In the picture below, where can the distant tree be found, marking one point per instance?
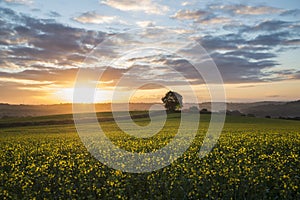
(172, 101)
(194, 109)
(234, 113)
(204, 111)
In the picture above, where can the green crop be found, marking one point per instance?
(253, 159)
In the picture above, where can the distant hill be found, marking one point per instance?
(259, 109)
(7, 110)
(287, 109)
(265, 108)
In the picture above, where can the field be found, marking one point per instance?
(254, 159)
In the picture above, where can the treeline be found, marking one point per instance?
(237, 113)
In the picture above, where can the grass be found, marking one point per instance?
(253, 159)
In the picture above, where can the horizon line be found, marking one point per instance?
(68, 103)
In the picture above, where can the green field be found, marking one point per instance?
(254, 159)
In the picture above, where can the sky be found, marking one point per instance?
(44, 44)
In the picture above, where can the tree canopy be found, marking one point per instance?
(172, 101)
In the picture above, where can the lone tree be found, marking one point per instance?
(172, 101)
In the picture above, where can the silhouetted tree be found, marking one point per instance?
(204, 111)
(172, 101)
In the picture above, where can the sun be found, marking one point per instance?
(84, 95)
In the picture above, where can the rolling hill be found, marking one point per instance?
(260, 109)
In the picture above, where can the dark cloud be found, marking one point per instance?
(26, 38)
(237, 59)
(270, 39)
(251, 55)
(240, 69)
(235, 27)
(234, 66)
(112, 74)
(296, 75)
(223, 42)
(273, 31)
(35, 10)
(280, 75)
(292, 42)
(52, 75)
(294, 12)
(64, 76)
(271, 25)
(253, 48)
(54, 14)
(214, 20)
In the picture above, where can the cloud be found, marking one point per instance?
(222, 14)
(265, 35)
(296, 75)
(49, 53)
(145, 24)
(190, 14)
(273, 39)
(37, 57)
(19, 1)
(235, 69)
(241, 59)
(187, 3)
(294, 12)
(16, 93)
(146, 6)
(234, 66)
(292, 42)
(249, 10)
(251, 55)
(48, 76)
(242, 9)
(222, 42)
(54, 14)
(62, 77)
(203, 17)
(247, 86)
(93, 18)
(34, 85)
(215, 20)
(273, 96)
(271, 26)
(27, 41)
(111, 75)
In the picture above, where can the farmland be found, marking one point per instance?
(253, 159)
